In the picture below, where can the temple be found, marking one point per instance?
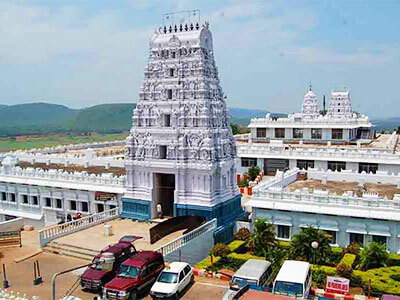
(180, 152)
(338, 124)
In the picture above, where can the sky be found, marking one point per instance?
(81, 53)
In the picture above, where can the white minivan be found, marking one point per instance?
(294, 279)
(253, 272)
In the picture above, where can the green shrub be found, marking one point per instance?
(242, 235)
(206, 263)
(374, 256)
(329, 271)
(393, 260)
(336, 255)
(395, 277)
(242, 258)
(235, 245)
(220, 249)
(284, 244)
(344, 270)
(348, 259)
(353, 248)
(319, 278)
(244, 183)
(381, 280)
(253, 172)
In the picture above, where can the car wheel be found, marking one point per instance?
(133, 295)
(176, 296)
(192, 278)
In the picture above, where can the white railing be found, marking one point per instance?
(184, 239)
(265, 151)
(280, 179)
(325, 200)
(48, 234)
(60, 175)
(383, 177)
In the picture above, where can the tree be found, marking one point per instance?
(253, 172)
(235, 128)
(374, 256)
(301, 246)
(263, 237)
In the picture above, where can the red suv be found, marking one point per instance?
(134, 275)
(106, 263)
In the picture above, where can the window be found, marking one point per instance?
(58, 203)
(379, 239)
(357, 238)
(169, 94)
(3, 196)
(261, 132)
(72, 205)
(85, 206)
(280, 133)
(337, 134)
(316, 133)
(171, 72)
(283, 232)
(367, 168)
(100, 207)
(336, 165)
(297, 133)
(333, 236)
(12, 197)
(163, 152)
(249, 162)
(173, 54)
(47, 202)
(25, 199)
(181, 276)
(167, 120)
(305, 164)
(187, 270)
(35, 200)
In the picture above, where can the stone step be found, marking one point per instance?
(70, 250)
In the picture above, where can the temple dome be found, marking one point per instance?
(309, 108)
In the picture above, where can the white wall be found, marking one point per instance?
(12, 225)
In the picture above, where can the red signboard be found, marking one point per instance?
(337, 285)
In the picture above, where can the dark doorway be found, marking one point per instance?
(164, 189)
(271, 165)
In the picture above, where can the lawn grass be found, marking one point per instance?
(55, 140)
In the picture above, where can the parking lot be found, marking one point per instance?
(20, 275)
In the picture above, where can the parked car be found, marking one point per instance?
(293, 279)
(106, 264)
(254, 272)
(172, 281)
(134, 275)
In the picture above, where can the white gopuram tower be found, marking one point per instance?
(310, 109)
(180, 152)
(340, 104)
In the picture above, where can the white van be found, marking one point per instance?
(294, 279)
(253, 272)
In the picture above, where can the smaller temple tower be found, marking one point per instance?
(309, 109)
(340, 104)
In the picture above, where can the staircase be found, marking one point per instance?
(70, 250)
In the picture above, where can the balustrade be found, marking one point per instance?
(48, 234)
(184, 239)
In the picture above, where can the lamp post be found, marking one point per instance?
(315, 245)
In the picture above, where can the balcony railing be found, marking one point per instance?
(48, 234)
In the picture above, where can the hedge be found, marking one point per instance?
(329, 271)
(235, 245)
(244, 257)
(206, 263)
(284, 244)
(348, 259)
(394, 260)
(381, 282)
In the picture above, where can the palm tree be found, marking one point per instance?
(374, 256)
(301, 246)
(263, 237)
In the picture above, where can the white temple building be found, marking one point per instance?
(180, 151)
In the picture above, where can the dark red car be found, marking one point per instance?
(134, 275)
(106, 264)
